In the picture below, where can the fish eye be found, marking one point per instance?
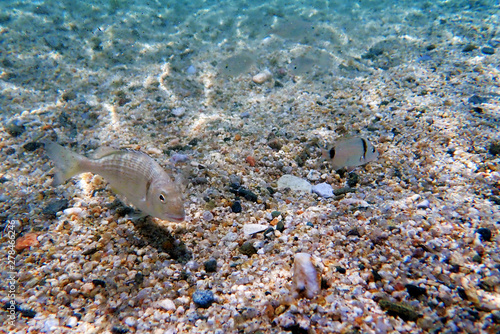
(373, 149)
(162, 198)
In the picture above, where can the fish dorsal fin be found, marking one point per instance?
(103, 151)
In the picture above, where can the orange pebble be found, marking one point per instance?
(26, 241)
(250, 160)
(237, 137)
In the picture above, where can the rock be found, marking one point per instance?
(50, 325)
(494, 148)
(26, 241)
(275, 214)
(191, 70)
(203, 298)
(211, 266)
(262, 77)
(207, 216)
(242, 191)
(484, 233)
(423, 205)
(305, 276)
(31, 146)
(294, 183)
(403, 311)
(476, 99)
(469, 48)
(323, 189)
(236, 207)
(71, 322)
(250, 229)
(54, 207)
(248, 249)
(352, 179)
(487, 50)
(415, 291)
(167, 304)
(15, 128)
(313, 175)
(178, 112)
(280, 226)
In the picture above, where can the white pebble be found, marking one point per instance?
(208, 216)
(71, 322)
(178, 111)
(423, 205)
(130, 321)
(167, 304)
(191, 70)
(305, 276)
(249, 229)
(261, 77)
(72, 211)
(294, 183)
(50, 324)
(323, 189)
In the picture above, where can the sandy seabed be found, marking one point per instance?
(406, 251)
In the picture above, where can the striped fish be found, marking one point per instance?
(350, 153)
(132, 174)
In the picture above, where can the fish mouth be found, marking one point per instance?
(176, 219)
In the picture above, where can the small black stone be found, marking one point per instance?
(211, 266)
(469, 48)
(280, 226)
(138, 278)
(455, 268)
(485, 233)
(461, 293)
(119, 330)
(236, 207)
(352, 180)
(487, 50)
(31, 146)
(354, 232)
(15, 128)
(310, 224)
(9, 151)
(341, 269)
(415, 291)
(55, 206)
(477, 258)
(269, 233)
(275, 214)
(99, 282)
(248, 249)
(376, 275)
(203, 298)
(476, 99)
(494, 149)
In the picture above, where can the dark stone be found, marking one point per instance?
(376, 276)
(461, 293)
(275, 214)
(236, 207)
(68, 96)
(119, 330)
(24, 312)
(476, 99)
(495, 200)
(9, 151)
(341, 269)
(55, 206)
(484, 233)
(487, 50)
(31, 146)
(15, 128)
(455, 268)
(401, 310)
(269, 233)
(310, 224)
(430, 47)
(354, 232)
(3, 179)
(211, 266)
(280, 226)
(194, 142)
(138, 278)
(99, 282)
(90, 251)
(469, 48)
(494, 149)
(247, 194)
(352, 180)
(275, 144)
(203, 298)
(343, 191)
(477, 258)
(415, 291)
(248, 249)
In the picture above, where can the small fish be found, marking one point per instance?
(132, 174)
(350, 153)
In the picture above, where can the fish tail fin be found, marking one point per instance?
(69, 163)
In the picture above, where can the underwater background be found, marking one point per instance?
(230, 97)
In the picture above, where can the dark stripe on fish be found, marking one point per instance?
(332, 152)
(148, 185)
(365, 147)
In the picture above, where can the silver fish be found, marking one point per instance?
(132, 174)
(350, 153)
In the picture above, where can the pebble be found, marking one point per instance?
(50, 324)
(423, 205)
(484, 233)
(469, 48)
(31, 146)
(191, 70)
(167, 304)
(280, 226)
(15, 128)
(236, 207)
(179, 158)
(405, 312)
(55, 206)
(71, 322)
(203, 298)
(415, 291)
(262, 77)
(178, 112)
(250, 229)
(323, 189)
(211, 266)
(207, 216)
(487, 50)
(313, 175)
(294, 183)
(247, 249)
(130, 321)
(26, 241)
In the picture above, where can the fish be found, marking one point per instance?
(132, 174)
(350, 153)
